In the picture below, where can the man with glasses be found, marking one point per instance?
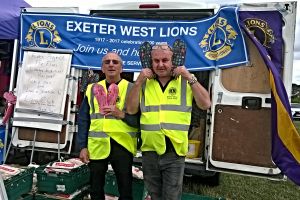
(164, 94)
(106, 134)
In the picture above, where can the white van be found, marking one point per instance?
(235, 134)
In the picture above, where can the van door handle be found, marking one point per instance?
(253, 103)
(267, 100)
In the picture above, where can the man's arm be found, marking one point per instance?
(200, 94)
(132, 120)
(83, 129)
(134, 94)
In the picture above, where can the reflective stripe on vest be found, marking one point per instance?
(104, 135)
(102, 128)
(97, 134)
(168, 115)
(168, 126)
(182, 108)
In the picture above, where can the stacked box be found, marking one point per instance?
(19, 184)
(64, 183)
(138, 190)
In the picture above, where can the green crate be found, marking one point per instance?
(45, 197)
(64, 183)
(19, 184)
(27, 197)
(188, 196)
(139, 192)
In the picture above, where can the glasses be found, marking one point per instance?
(115, 62)
(162, 46)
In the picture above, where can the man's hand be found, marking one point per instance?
(113, 111)
(84, 155)
(146, 73)
(177, 71)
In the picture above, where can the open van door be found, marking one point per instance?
(240, 132)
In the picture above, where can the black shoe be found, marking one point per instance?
(179, 52)
(145, 55)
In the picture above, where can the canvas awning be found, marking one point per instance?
(10, 18)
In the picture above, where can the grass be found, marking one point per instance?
(238, 187)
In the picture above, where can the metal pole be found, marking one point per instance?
(32, 151)
(11, 87)
(3, 194)
(58, 145)
(9, 146)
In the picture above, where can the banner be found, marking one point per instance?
(214, 42)
(266, 27)
(285, 137)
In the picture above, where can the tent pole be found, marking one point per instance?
(11, 87)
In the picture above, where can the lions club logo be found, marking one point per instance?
(172, 93)
(218, 40)
(261, 30)
(43, 34)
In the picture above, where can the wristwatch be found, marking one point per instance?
(193, 80)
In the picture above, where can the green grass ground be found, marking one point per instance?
(238, 187)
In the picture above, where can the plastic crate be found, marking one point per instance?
(64, 183)
(139, 192)
(45, 197)
(27, 197)
(19, 184)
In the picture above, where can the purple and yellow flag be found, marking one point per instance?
(267, 28)
(285, 137)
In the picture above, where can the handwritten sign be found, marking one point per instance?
(41, 86)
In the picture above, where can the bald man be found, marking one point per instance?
(106, 134)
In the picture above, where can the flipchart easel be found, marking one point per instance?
(45, 94)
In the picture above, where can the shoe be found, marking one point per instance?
(145, 55)
(179, 53)
(112, 94)
(100, 94)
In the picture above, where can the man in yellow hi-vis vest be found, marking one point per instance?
(106, 134)
(164, 96)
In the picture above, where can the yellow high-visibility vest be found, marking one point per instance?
(165, 113)
(103, 128)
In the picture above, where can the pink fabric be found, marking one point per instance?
(112, 94)
(11, 101)
(100, 95)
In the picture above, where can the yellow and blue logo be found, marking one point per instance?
(261, 30)
(218, 40)
(1, 144)
(43, 33)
